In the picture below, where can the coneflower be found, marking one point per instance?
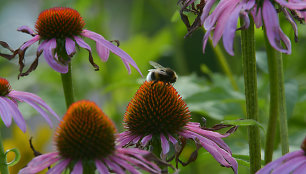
(158, 112)
(58, 30)
(9, 105)
(85, 142)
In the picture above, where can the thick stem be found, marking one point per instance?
(67, 86)
(250, 82)
(3, 163)
(273, 57)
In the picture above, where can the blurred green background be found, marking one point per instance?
(150, 30)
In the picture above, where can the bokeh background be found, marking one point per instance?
(149, 30)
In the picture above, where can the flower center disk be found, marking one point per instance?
(5, 87)
(59, 22)
(85, 133)
(155, 109)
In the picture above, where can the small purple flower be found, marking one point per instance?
(293, 162)
(86, 136)
(9, 105)
(158, 113)
(59, 31)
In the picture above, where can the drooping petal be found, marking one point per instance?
(205, 39)
(274, 33)
(230, 30)
(103, 52)
(40, 163)
(256, 13)
(292, 5)
(107, 44)
(60, 167)
(101, 167)
(124, 164)
(30, 42)
(145, 140)
(113, 166)
(78, 168)
(206, 10)
(136, 139)
(48, 50)
(272, 165)
(37, 108)
(16, 114)
(70, 46)
(172, 139)
(34, 98)
(164, 144)
(300, 169)
(5, 112)
(26, 29)
(289, 166)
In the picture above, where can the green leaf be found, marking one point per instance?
(245, 122)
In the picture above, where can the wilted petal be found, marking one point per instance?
(101, 167)
(107, 44)
(16, 114)
(26, 29)
(30, 42)
(48, 47)
(5, 112)
(274, 33)
(78, 168)
(40, 163)
(70, 46)
(59, 167)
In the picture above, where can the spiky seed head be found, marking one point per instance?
(156, 108)
(85, 132)
(59, 23)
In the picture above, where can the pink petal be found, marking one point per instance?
(78, 168)
(30, 42)
(124, 164)
(274, 33)
(26, 29)
(60, 167)
(257, 16)
(5, 112)
(146, 139)
(230, 30)
(300, 169)
(292, 5)
(103, 52)
(107, 44)
(36, 99)
(289, 166)
(172, 139)
(101, 167)
(205, 38)
(114, 166)
(164, 144)
(206, 10)
(48, 47)
(40, 162)
(16, 114)
(70, 46)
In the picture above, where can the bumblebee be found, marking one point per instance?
(160, 73)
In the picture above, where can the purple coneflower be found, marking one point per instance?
(158, 113)
(58, 30)
(9, 105)
(223, 20)
(86, 139)
(293, 162)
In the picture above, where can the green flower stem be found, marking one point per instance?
(250, 82)
(3, 163)
(224, 65)
(67, 86)
(272, 56)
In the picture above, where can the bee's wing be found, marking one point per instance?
(155, 65)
